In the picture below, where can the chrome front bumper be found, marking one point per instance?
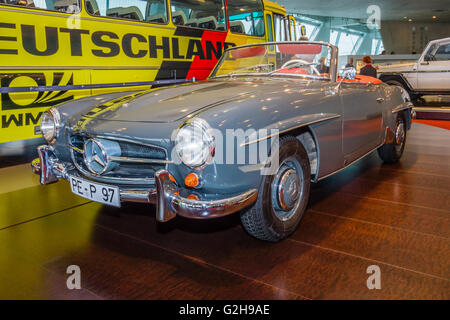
(166, 195)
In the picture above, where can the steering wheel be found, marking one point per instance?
(300, 61)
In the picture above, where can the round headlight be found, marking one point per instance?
(194, 143)
(50, 123)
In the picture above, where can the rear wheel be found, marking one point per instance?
(392, 152)
(282, 197)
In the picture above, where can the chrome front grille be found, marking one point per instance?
(137, 163)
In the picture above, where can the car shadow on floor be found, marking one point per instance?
(319, 191)
(207, 246)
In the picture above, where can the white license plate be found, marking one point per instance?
(97, 192)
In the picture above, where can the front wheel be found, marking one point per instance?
(283, 196)
(392, 152)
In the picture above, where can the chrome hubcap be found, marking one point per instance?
(287, 189)
(400, 134)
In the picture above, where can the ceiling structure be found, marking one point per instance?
(416, 10)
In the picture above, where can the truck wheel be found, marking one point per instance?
(283, 196)
(400, 84)
(392, 152)
(395, 83)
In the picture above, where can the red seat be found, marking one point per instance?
(293, 71)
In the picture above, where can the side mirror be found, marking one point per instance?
(349, 73)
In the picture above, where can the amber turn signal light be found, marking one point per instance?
(172, 178)
(191, 180)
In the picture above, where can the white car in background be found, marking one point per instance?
(430, 75)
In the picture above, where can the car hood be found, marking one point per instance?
(172, 103)
(398, 67)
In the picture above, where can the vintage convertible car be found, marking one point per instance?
(271, 119)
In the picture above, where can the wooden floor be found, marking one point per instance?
(392, 216)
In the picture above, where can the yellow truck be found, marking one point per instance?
(53, 51)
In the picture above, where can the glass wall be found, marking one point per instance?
(311, 26)
(351, 36)
(347, 42)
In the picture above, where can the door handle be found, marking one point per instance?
(380, 100)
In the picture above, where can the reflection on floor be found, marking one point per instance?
(393, 216)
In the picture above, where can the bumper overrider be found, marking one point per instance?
(166, 195)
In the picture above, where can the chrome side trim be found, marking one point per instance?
(348, 165)
(305, 124)
(403, 106)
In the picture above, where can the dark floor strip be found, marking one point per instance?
(371, 260)
(200, 261)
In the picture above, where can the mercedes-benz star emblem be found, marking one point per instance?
(95, 156)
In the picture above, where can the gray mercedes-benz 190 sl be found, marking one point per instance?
(271, 119)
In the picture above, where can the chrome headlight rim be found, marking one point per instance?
(208, 141)
(56, 117)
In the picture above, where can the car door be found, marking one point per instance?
(433, 70)
(362, 125)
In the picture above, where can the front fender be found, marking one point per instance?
(74, 109)
(291, 124)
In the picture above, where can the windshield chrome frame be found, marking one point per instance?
(333, 59)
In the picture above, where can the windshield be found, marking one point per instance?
(298, 59)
